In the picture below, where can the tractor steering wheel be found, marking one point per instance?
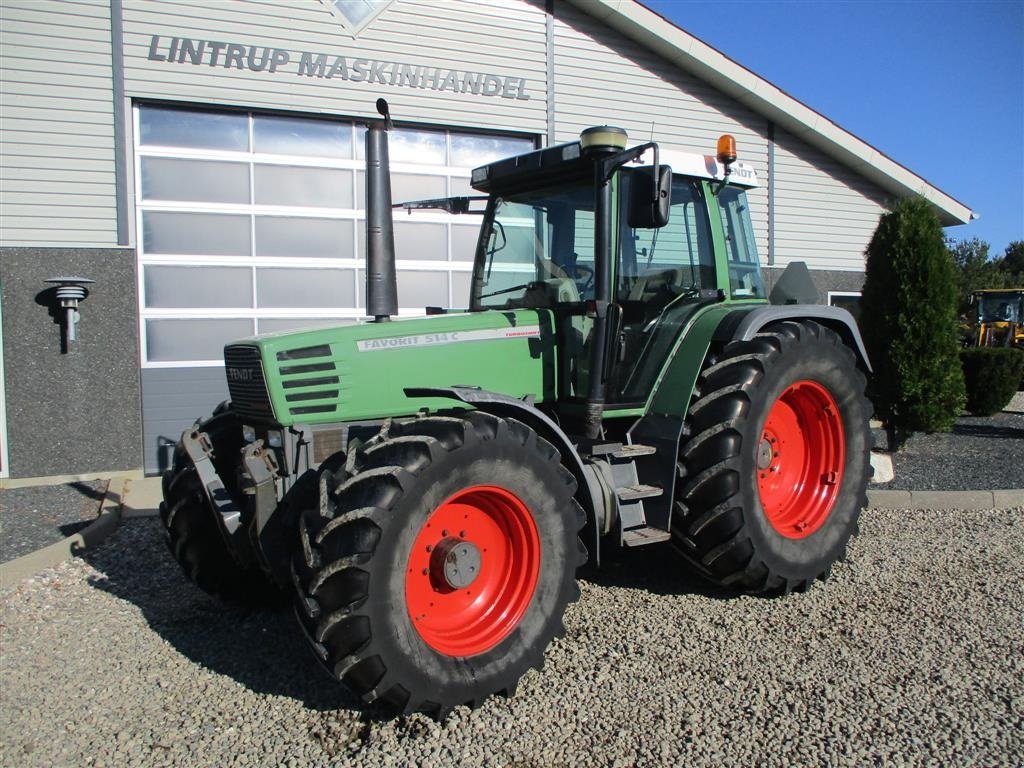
(584, 277)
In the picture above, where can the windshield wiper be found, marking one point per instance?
(530, 284)
(449, 204)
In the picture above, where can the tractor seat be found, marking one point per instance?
(547, 293)
(652, 283)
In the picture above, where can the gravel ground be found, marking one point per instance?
(31, 518)
(912, 654)
(980, 454)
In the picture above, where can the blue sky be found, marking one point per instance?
(937, 86)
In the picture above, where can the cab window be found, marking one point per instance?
(741, 248)
(659, 265)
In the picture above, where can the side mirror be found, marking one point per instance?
(650, 197)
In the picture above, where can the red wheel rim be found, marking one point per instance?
(472, 571)
(800, 459)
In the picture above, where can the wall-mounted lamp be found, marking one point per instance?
(70, 292)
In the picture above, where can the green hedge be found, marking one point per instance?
(992, 375)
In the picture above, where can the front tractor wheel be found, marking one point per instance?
(777, 461)
(438, 572)
(190, 523)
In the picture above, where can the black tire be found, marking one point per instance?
(350, 567)
(192, 532)
(719, 522)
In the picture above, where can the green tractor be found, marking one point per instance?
(426, 488)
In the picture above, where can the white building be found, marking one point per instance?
(202, 163)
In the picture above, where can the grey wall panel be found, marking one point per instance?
(825, 213)
(636, 89)
(55, 59)
(173, 398)
(453, 35)
(79, 411)
(824, 280)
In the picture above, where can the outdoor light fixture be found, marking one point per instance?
(70, 292)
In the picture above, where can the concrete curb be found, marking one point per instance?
(98, 531)
(946, 500)
(113, 477)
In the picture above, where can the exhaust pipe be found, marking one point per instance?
(381, 281)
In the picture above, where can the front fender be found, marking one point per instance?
(545, 426)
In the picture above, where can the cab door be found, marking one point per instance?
(664, 276)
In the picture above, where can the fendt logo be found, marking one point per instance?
(239, 374)
(356, 15)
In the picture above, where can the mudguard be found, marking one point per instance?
(504, 405)
(743, 325)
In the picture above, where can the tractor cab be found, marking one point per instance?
(999, 318)
(673, 244)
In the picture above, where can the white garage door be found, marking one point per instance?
(251, 223)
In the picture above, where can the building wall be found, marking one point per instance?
(73, 411)
(59, 167)
(57, 179)
(172, 399)
(824, 280)
(825, 214)
(420, 33)
(602, 77)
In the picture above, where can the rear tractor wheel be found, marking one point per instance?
(439, 571)
(777, 461)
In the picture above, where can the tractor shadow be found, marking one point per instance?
(658, 569)
(264, 650)
(998, 431)
(93, 496)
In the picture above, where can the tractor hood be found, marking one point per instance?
(360, 371)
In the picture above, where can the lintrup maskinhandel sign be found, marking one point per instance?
(184, 50)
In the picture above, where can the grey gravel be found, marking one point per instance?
(981, 453)
(33, 517)
(911, 654)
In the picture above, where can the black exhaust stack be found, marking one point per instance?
(381, 282)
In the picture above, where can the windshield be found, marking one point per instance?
(1001, 307)
(538, 249)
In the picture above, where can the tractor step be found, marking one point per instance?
(601, 449)
(632, 451)
(618, 450)
(636, 492)
(638, 537)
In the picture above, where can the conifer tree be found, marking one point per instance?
(908, 319)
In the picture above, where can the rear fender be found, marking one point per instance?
(743, 325)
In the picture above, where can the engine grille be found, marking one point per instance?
(248, 388)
